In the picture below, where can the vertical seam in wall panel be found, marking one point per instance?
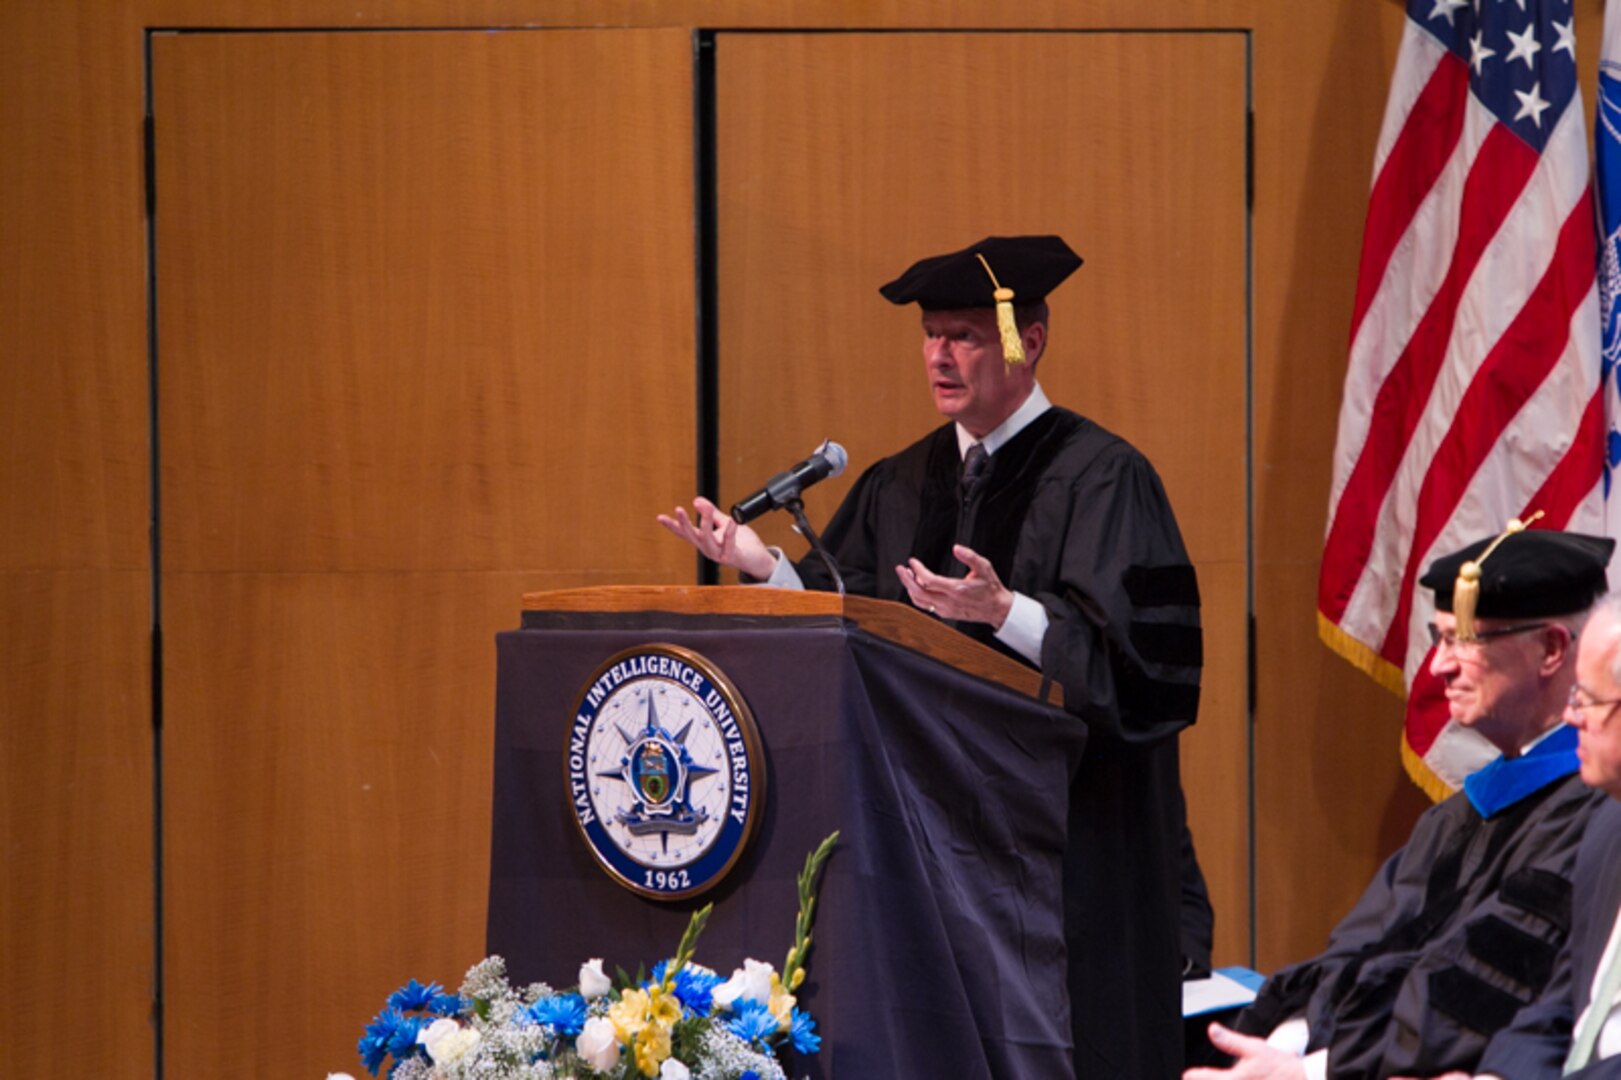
(154, 561)
(1251, 659)
(707, 277)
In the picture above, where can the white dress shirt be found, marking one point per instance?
(1609, 1036)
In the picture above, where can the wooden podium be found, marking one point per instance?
(939, 944)
(906, 626)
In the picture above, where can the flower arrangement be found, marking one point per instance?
(680, 1022)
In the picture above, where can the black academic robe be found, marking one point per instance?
(1075, 518)
(1198, 919)
(1459, 930)
(1535, 1046)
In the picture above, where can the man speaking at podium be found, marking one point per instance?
(1041, 534)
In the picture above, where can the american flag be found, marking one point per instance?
(1472, 394)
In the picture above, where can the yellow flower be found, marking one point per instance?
(663, 1008)
(652, 1047)
(781, 1004)
(629, 1014)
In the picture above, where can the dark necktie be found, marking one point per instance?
(975, 469)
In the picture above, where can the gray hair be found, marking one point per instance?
(1576, 621)
(1610, 605)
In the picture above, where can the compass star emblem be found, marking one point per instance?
(658, 769)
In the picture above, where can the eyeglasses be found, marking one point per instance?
(1449, 638)
(1575, 703)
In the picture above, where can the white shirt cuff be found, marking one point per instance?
(783, 575)
(1025, 626)
(1292, 1036)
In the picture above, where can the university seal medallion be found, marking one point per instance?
(665, 775)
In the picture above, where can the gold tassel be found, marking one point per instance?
(1006, 324)
(1466, 590)
(1465, 593)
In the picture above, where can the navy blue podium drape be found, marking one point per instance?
(939, 946)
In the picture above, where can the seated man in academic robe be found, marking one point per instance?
(1574, 1029)
(1036, 531)
(1461, 928)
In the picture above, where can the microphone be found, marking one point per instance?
(826, 460)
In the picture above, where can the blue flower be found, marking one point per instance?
(403, 1042)
(448, 1005)
(750, 1075)
(753, 1023)
(803, 1031)
(413, 995)
(372, 1053)
(374, 1044)
(563, 1013)
(694, 987)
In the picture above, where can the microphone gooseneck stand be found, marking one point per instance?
(796, 506)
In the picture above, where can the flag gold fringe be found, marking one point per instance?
(1421, 774)
(1376, 667)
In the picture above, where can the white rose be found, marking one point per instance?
(751, 982)
(435, 1031)
(757, 981)
(597, 1045)
(593, 983)
(674, 1070)
(447, 1041)
(725, 995)
(455, 1047)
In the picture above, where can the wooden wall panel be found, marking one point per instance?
(425, 315)
(73, 400)
(327, 804)
(76, 899)
(843, 157)
(425, 299)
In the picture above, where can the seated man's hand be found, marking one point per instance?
(718, 537)
(979, 597)
(1255, 1058)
